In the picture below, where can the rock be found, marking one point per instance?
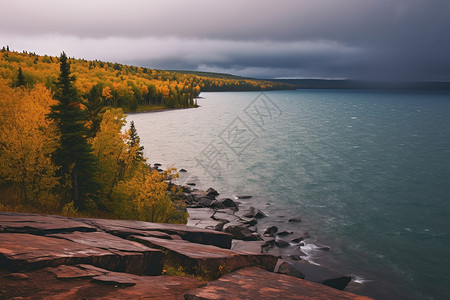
(133, 257)
(295, 257)
(254, 283)
(240, 232)
(189, 233)
(284, 233)
(294, 220)
(18, 276)
(297, 240)
(250, 222)
(190, 183)
(157, 165)
(182, 171)
(243, 196)
(268, 244)
(227, 202)
(248, 246)
(219, 226)
(252, 228)
(322, 275)
(271, 231)
(19, 251)
(207, 261)
(288, 269)
(65, 272)
(39, 224)
(224, 215)
(208, 202)
(212, 192)
(253, 212)
(116, 279)
(281, 243)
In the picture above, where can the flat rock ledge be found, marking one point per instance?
(55, 257)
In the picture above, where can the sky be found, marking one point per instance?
(383, 40)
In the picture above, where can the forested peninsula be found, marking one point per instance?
(63, 144)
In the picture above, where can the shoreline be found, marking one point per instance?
(159, 110)
(254, 230)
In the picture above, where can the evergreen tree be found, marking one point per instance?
(74, 155)
(20, 78)
(135, 140)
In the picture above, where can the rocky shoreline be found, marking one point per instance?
(54, 257)
(219, 254)
(232, 215)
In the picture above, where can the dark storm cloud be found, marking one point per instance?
(378, 39)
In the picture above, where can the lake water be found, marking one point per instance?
(368, 172)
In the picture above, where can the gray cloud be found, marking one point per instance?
(379, 39)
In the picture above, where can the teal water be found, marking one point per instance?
(367, 172)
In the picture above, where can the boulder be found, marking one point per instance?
(254, 283)
(182, 171)
(208, 202)
(211, 192)
(288, 269)
(227, 202)
(253, 212)
(243, 196)
(281, 243)
(271, 231)
(241, 232)
(206, 261)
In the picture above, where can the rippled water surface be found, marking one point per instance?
(368, 173)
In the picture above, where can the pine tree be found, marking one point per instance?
(135, 140)
(74, 155)
(20, 78)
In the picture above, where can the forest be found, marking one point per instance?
(65, 147)
(128, 87)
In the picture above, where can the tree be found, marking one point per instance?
(28, 139)
(74, 154)
(135, 141)
(20, 78)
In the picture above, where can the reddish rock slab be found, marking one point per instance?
(19, 251)
(254, 283)
(206, 261)
(133, 257)
(189, 233)
(45, 285)
(70, 272)
(40, 224)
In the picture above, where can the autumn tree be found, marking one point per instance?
(28, 139)
(74, 154)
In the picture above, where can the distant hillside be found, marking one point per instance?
(129, 87)
(354, 84)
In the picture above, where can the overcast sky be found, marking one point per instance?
(356, 39)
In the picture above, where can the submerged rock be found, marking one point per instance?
(253, 212)
(271, 231)
(295, 220)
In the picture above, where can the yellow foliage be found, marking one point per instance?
(28, 138)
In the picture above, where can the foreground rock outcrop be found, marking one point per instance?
(53, 257)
